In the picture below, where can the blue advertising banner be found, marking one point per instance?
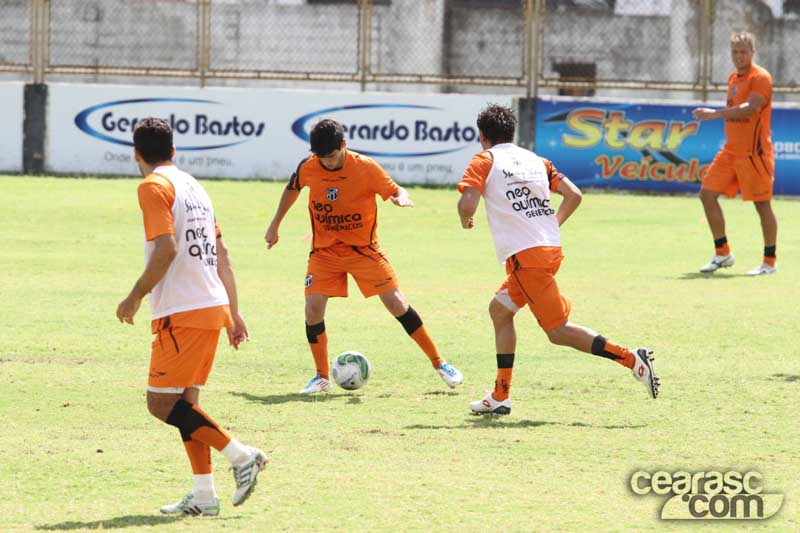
(649, 147)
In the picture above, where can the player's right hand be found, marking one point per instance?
(468, 223)
(271, 236)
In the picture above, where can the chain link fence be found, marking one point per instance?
(569, 46)
(16, 23)
(622, 42)
(776, 27)
(123, 34)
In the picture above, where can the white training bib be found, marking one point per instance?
(191, 282)
(517, 196)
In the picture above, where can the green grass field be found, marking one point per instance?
(80, 452)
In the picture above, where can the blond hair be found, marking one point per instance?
(743, 37)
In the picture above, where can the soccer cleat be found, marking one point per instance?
(717, 262)
(490, 406)
(246, 475)
(450, 375)
(763, 269)
(644, 372)
(317, 384)
(188, 505)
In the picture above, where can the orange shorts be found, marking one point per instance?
(532, 281)
(181, 358)
(729, 173)
(328, 269)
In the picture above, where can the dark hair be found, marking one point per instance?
(152, 138)
(497, 123)
(326, 136)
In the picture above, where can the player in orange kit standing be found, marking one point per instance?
(341, 201)
(746, 162)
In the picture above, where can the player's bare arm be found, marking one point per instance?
(164, 252)
(572, 199)
(750, 107)
(467, 205)
(288, 198)
(238, 332)
(401, 198)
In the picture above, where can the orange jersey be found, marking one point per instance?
(156, 196)
(751, 135)
(342, 202)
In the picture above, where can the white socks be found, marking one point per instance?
(204, 490)
(236, 452)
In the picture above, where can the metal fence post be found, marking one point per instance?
(706, 46)
(364, 16)
(538, 15)
(203, 39)
(529, 61)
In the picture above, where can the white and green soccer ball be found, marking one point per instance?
(351, 370)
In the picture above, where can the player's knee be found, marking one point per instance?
(315, 312)
(499, 312)
(708, 196)
(158, 407)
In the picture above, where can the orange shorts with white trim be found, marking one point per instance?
(181, 357)
(532, 281)
(753, 175)
(328, 269)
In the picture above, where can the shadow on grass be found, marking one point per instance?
(440, 393)
(710, 275)
(275, 399)
(785, 377)
(120, 522)
(490, 421)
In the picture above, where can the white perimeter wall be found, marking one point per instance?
(11, 111)
(259, 133)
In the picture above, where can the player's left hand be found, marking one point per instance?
(468, 223)
(401, 198)
(127, 309)
(704, 113)
(238, 333)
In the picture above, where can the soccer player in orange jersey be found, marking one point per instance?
(746, 162)
(192, 295)
(516, 185)
(341, 201)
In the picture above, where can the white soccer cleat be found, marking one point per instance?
(317, 384)
(490, 406)
(450, 375)
(763, 269)
(189, 506)
(246, 475)
(644, 372)
(717, 262)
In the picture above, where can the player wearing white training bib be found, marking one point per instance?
(192, 293)
(516, 185)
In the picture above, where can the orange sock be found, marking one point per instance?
(199, 456)
(423, 339)
(502, 385)
(210, 433)
(195, 425)
(769, 255)
(609, 350)
(318, 342)
(721, 246)
(413, 325)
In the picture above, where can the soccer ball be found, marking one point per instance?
(351, 370)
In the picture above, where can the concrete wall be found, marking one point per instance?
(457, 37)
